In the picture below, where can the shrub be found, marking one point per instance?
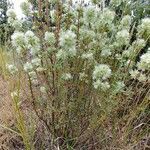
(86, 87)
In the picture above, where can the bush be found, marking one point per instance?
(87, 90)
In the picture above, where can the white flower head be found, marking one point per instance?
(36, 62)
(33, 42)
(144, 27)
(12, 69)
(18, 39)
(90, 14)
(123, 37)
(144, 63)
(139, 43)
(25, 7)
(119, 86)
(87, 55)
(50, 37)
(67, 39)
(17, 24)
(101, 71)
(28, 67)
(66, 76)
(116, 2)
(126, 22)
(61, 55)
(43, 89)
(68, 42)
(108, 15)
(134, 74)
(106, 52)
(142, 77)
(11, 13)
(101, 85)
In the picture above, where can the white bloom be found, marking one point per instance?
(101, 85)
(90, 14)
(66, 76)
(10, 20)
(139, 43)
(142, 77)
(67, 40)
(11, 13)
(116, 2)
(123, 37)
(33, 75)
(34, 50)
(108, 15)
(18, 39)
(12, 69)
(34, 82)
(50, 37)
(68, 43)
(86, 34)
(1, 10)
(97, 84)
(25, 6)
(126, 53)
(53, 15)
(144, 63)
(17, 24)
(43, 89)
(119, 86)
(102, 72)
(28, 67)
(134, 74)
(82, 76)
(106, 52)
(53, 1)
(126, 21)
(105, 86)
(36, 62)
(87, 55)
(61, 55)
(144, 27)
(29, 34)
(33, 42)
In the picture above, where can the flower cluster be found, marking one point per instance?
(144, 63)
(144, 28)
(12, 19)
(23, 41)
(126, 22)
(67, 76)
(100, 74)
(25, 7)
(90, 14)
(68, 44)
(12, 69)
(50, 38)
(123, 37)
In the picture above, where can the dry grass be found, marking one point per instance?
(6, 114)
